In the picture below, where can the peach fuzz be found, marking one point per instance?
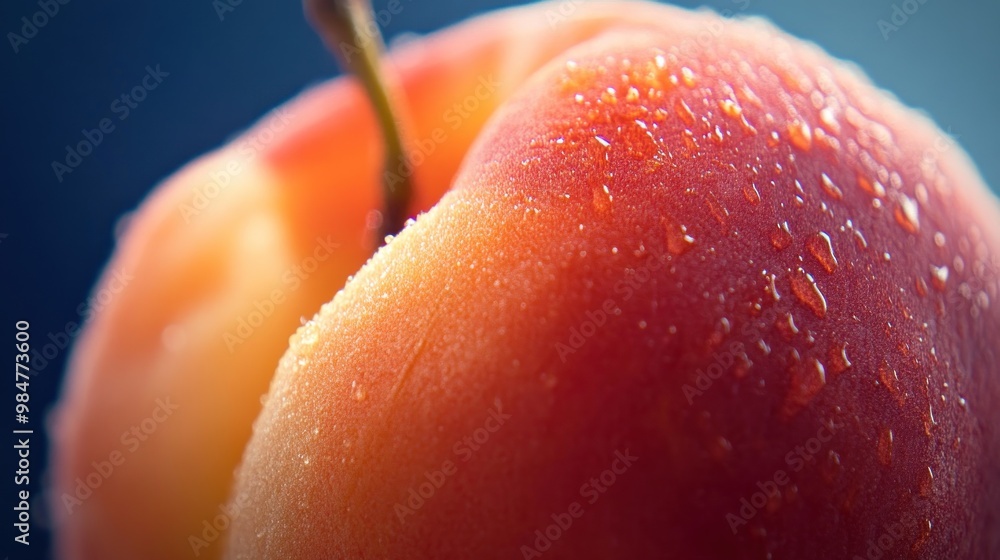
(197, 269)
(752, 203)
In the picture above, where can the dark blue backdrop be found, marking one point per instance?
(223, 73)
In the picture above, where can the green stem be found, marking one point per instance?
(349, 30)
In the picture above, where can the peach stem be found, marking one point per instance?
(349, 30)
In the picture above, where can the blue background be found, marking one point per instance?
(226, 73)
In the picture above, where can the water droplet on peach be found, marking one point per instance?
(687, 76)
(808, 293)
(890, 380)
(781, 237)
(907, 214)
(839, 362)
(830, 187)
(786, 324)
(807, 379)
(821, 248)
(884, 446)
(730, 108)
(939, 277)
(800, 135)
(677, 237)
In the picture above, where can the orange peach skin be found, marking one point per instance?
(197, 271)
(461, 313)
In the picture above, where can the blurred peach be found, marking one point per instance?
(227, 257)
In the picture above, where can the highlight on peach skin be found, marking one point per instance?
(586, 280)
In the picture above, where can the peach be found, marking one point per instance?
(719, 300)
(224, 259)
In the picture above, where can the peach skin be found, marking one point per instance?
(224, 259)
(722, 301)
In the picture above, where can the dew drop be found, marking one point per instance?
(907, 215)
(925, 534)
(808, 293)
(687, 76)
(358, 392)
(764, 347)
(839, 362)
(983, 300)
(678, 240)
(720, 212)
(807, 379)
(786, 324)
(772, 288)
(800, 134)
(890, 379)
(860, 240)
(884, 447)
(747, 126)
(830, 187)
(873, 188)
(602, 199)
(939, 277)
(609, 96)
(821, 249)
(781, 237)
(751, 194)
(828, 117)
(929, 421)
(921, 287)
(773, 139)
(939, 239)
(632, 95)
(731, 108)
(832, 467)
(926, 483)
(685, 113)
(742, 366)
